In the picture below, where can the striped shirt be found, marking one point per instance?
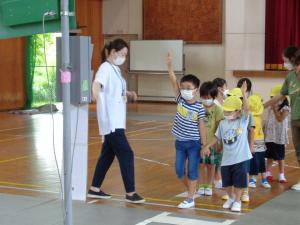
(186, 122)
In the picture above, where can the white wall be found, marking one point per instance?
(126, 16)
(242, 49)
(245, 42)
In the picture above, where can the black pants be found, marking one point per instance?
(116, 144)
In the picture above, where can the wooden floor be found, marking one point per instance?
(27, 165)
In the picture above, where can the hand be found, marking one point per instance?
(274, 107)
(169, 60)
(131, 96)
(244, 87)
(205, 152)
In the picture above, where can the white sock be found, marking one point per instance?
(281, 176)
(268, 174)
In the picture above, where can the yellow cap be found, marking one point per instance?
(256, 105)
(232, 103)
(236, 92)
(275, 90)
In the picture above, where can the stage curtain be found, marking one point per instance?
(282, 30)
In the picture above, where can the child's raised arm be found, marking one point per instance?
(245, 100)
(172, 75)
(274, 100)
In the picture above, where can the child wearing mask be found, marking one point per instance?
(214, 114)
(188, 130)
(238, 93)
(233, 132)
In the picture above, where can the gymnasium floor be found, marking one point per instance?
(28, 173)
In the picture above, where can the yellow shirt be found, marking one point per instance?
(258, 131)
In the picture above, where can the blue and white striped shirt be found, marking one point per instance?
(186, 122)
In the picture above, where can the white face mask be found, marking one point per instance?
(288, 66)
(119, 60)
(207, 102)
(187, 94)
(226, 92)
(231, 117)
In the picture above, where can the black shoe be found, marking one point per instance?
(100, 194)
(135, 198)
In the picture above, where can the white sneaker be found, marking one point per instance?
(252, 183)
(265, 184)
(236, 207)
(245, 197)
(218, 184)
(296, 187)
(208, 191)
(228, 204)
(201, 191)
(185, 204)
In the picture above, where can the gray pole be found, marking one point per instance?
(65, 62)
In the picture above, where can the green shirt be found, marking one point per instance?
(214, 115)
(291, 87)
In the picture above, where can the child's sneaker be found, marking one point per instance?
(236, 207)
(269, 176)
(225, 197)
(135, 198)
(218, 184)
(188, 203)
(282, 179)
(201, 190)
(252, 183)
(265, 184)
(296, 187)
(208, 191)
(245, 196)
(228, 204)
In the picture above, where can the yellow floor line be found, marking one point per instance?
(177, 202)
(20, 184)
(14, 159)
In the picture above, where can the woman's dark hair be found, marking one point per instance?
(296, 59)
(191, 78)
(117, 44)
(283, 104)
(219, 82)
(208, 88)
(289, 52)
(248, 81)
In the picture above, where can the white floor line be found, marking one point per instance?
(92, 202)
(151, 139)
(152, 161)
(174, 206)
(295, 167)
(168, 218)
(145, 122)
(27, 189)
(148, 128)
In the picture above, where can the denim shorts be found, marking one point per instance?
(190, 151)
(235, 175)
